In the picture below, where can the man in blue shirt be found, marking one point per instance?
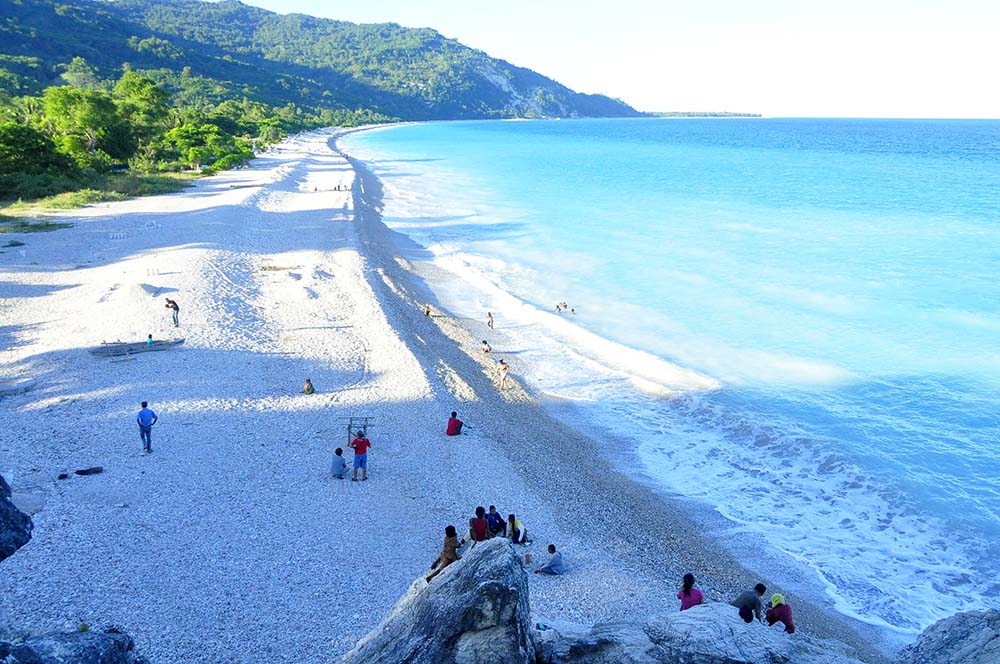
(146, 419)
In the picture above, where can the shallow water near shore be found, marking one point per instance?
(796, 322)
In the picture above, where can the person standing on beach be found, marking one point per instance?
(489, 319)
(175, 311)
(360, 445)
(146, 419)
(454, 425)
(688, 594)
(749, 603)
(502, 369)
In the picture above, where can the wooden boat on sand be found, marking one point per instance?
(119, 348)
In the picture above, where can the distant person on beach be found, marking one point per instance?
(516, 531)
(749, 603)
(308, 387)
(486, 347)
(502, 369)
(427, 310)
(175, 311)
(360, 445)
(554, 565)
(489, 319)
(559, 308)
(572, 312)
(146, 419)
(339, 466)
(149, 340)
(780, 612)
(497, 526)
(454, 425)
(449, 552)
(688, 594)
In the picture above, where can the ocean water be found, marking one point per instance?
(794, 321)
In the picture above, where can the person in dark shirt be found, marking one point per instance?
(749, 603)
(175, 311)
(496, 523)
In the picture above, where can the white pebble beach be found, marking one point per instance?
(231, 542)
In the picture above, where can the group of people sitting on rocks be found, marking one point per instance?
(749, 604)
(487, 525)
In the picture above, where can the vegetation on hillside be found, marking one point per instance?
(90, 89)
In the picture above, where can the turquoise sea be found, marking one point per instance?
(795, 322)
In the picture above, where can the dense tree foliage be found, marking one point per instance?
(210, 52)
(161, 85)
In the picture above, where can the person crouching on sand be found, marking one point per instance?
(449, 553)
(688, 594)
(308, 387)
(360, 445)
(486, 347)
(780, 612)
(339, 466)
(454, 425)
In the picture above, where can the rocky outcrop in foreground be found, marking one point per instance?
(110, 647)
(972, 637)
(475, 611)
(15, 525)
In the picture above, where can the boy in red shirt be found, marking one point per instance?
(454, 425)
(360, 445)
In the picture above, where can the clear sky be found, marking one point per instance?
(847, 58)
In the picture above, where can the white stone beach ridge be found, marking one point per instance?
(231, 542)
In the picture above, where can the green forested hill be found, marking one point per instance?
(205, 53)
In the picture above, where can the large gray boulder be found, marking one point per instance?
(705, 634)
(474, 612)
(972, 637)
(15, 525)
(605, 643)
(111, 647)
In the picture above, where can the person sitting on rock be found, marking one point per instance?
(308, 387)
(449, 553)
(339, 467)
(780, 612)
(554, 565)
(749, 603)
(688, 594)
(479, 529)
(454, 427)
(495, 522)
(516, 531)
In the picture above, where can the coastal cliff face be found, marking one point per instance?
(15, 525)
